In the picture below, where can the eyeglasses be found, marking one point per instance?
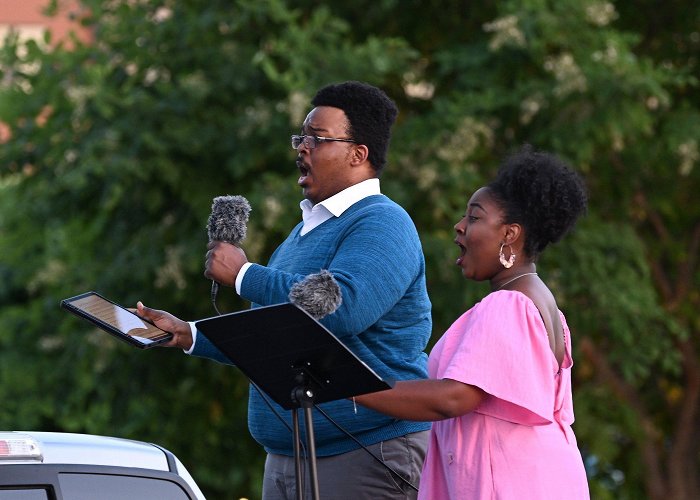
(311, 141)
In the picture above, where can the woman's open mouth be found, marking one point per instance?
(462, 252)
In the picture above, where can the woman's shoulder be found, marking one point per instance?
(520, 300)
(500, 310)
(506, 306)
(501, 300)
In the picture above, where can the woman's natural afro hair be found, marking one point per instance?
(540, 192)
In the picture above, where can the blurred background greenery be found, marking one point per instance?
(117, 146)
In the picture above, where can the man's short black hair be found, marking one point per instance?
(370, 112)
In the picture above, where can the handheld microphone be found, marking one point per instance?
(227, 222)
(317, 294)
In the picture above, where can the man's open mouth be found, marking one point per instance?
(304, 170)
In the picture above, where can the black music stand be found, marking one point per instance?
(296, 361)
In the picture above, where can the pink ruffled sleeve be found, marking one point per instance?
(501, 346)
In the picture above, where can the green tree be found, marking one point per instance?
(118, 147)
(614, 91)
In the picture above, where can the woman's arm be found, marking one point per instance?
(425, 400)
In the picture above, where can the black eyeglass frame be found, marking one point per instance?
(315, 140)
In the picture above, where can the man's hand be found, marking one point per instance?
(182, 333)
(224, 261)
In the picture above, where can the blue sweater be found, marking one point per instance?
(374, 253)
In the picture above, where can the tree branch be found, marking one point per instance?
(686, 269)
(654, 479)
(681, 463)
(661, 277)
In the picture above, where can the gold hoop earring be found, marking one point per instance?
(507, 263)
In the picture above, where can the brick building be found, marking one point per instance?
(27, 17)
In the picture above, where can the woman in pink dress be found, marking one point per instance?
(499, 390)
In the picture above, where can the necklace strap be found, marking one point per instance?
(513, 279)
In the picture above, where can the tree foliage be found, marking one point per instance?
(118, 146)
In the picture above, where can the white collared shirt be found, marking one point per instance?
(315, 215)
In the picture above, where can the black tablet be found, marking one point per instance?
(116, 320)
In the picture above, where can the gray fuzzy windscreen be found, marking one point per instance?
(228, 219)
(318, 294)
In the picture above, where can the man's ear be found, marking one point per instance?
(360, 154)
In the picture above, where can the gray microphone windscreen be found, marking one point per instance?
(317, 294)
(228, 219)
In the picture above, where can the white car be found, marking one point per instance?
(64, 466)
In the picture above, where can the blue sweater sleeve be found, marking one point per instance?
(203, 348)
(375, 256)
(378, 260)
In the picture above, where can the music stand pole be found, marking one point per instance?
(303, 396)
(297, 455)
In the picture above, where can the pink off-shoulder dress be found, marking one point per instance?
(518, 444)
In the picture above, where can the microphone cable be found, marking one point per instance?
(214, 293)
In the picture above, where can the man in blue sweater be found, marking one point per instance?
(371, 247)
